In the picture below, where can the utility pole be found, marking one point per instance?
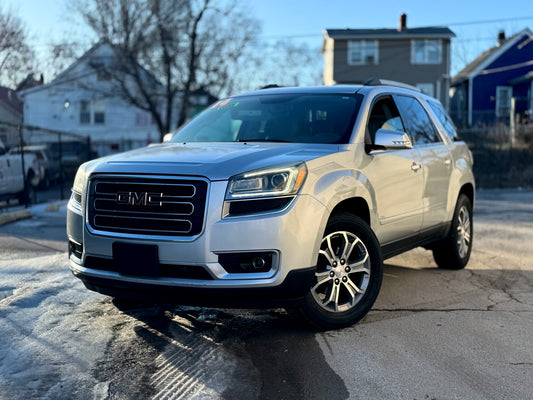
(26, 190)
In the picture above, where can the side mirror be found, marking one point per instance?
(392, 140)
(168, 137)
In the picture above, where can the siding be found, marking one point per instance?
(499, 73)
(394, 64)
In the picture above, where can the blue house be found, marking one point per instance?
(481, 93)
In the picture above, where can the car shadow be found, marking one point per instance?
(270, 354)
(250, 354)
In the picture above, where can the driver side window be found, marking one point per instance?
(384, 115)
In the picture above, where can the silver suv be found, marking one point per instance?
(281, 197)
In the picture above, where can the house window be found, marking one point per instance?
(503, 101)
(99, 112)
(362, 52)
(426, 88)
(426, 51)
(85, 112)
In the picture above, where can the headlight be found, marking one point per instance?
(275, 181)
(80, 180)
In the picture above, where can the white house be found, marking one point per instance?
(80, 101)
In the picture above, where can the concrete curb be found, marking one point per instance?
(34, 210)
(14, 216)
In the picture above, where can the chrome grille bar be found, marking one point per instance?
(147, 206)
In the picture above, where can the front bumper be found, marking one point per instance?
(292, 236)
(291, 291)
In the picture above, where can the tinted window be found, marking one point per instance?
(417, 120)
(384, 115)
(444, 120)
(295, 118)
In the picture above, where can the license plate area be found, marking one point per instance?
(136, 259)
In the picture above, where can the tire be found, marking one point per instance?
(453, 252)
(32, 179)
(349, 274)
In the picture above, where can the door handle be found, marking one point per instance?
(415, 167)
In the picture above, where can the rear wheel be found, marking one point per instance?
(454, 251)
(32, 179)
(348, 276)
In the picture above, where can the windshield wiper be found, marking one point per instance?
(264, 140)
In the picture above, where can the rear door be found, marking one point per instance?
(435, 159)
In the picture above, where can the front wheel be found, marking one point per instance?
(348, 276)
(454, 251)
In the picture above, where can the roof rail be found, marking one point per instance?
(386, 82)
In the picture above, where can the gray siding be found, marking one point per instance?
(394, 64)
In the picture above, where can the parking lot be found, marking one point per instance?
(432, 334)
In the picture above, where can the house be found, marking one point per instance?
(481, 93)
(82, 100)
(417, 56)
(10, 116)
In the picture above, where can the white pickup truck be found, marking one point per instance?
(11, 178)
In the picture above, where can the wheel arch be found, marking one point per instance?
(357, 206)
(468, 190)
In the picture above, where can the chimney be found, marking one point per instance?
(501, 37)
(403, 23)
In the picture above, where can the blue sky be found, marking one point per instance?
(304, 20)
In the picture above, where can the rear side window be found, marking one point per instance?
(417, 121)
(444, 119)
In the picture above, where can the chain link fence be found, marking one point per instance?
(49, 159)
(503, 154)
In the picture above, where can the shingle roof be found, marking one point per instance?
(465, 72)
(436, 31)
(474, 64)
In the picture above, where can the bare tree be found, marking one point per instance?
(16, 56)
(286, 63)
(170, 48)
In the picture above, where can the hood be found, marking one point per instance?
(215, 161)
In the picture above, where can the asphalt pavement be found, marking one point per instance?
(432, 334)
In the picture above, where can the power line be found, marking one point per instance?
(489, 21)
(463, 23)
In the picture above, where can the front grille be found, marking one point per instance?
(147, 206)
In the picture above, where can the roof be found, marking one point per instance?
(9, 98)
(65, 74)
(407, 33)
(488, 56)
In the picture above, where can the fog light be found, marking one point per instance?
(238, 263)
(258, 262)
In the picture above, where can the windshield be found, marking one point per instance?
(293, 118)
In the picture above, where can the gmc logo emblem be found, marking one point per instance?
(140, 198)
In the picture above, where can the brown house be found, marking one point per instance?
(417, 56)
